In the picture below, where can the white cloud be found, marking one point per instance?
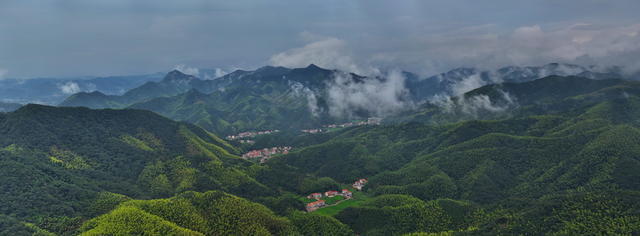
(69, 88)
(476, 104)
(377, 97)
(219, 73)
(470, 83)
(187, 70)
(298, 89)
(332, 53)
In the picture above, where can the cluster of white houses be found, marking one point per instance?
(247, 141)
(266, 153)
(250, 134)
(321, 203)
(359, 184)
(370, 121)
(312, 131)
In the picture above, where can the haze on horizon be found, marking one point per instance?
(113, 37)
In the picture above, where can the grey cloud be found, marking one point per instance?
(3, 72)
(109, 37)
(528, 45)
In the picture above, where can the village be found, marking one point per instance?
(266, 153)
(332, 197)
(250, 134)
(263, 155)
(244, 137)
(326, 128)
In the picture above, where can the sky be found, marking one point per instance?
(53, 38)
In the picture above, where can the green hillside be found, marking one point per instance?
(56, 161)
(190, 213)
(268, 98)
(232, 112)
(561, 158)
(569, 172)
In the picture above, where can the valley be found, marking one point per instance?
(532, 167)
(319, 118)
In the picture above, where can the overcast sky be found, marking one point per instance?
(48, 38)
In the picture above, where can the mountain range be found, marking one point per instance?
(52, 91)
(282, 98)
(560, 157)
(563, 162)
(549, 150)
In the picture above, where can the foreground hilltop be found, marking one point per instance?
(57, 161)
(62, 166)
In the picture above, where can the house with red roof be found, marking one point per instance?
(346, 193)
(315, 195)
(331, 193)
(315, 205)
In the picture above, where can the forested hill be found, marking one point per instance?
(571, 171)
(56, 164)
(561, 156)
(265, 80)
(549, 95)
(302, 98)
(67, 171)
(267, 98)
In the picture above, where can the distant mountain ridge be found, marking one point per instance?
(54, 90)
(268, 98)
(461, 80)
(281, 98)
(549, 95)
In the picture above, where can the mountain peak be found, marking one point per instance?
(95, 93)
(176, 75)
(311, 68)
(314, 67)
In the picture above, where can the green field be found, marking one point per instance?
(358, 198)
(327, 200)
(332, 200)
